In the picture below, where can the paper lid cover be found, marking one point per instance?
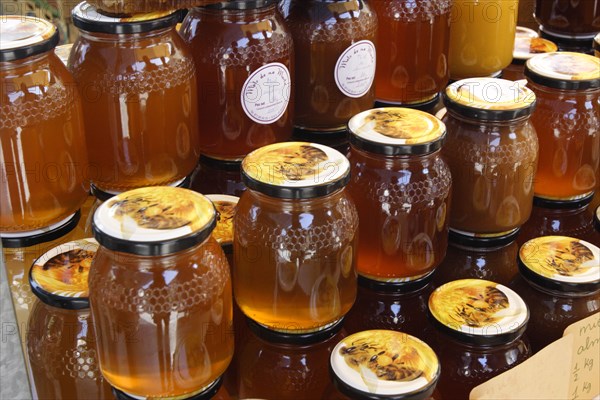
(225, 206)
(385, 363)
(527, 47)
(564, 70)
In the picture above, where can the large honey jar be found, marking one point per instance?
(482, 36)
(383, 364)
(492, 150)
(160, 293)
(295, 238)
(43, 158)
(61, 343)
(569, 19)
(137, 80)
(567, 117)
(480, 328)
(335, 58)
(243, 53)
(401, 186)
(560, 281)
(412, 50)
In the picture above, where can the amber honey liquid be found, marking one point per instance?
(294, 265)
(412, 49)
(163, 326)
(43, 159)
(228, 47)
(140, 102)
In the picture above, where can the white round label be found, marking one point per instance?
(266, 93)
(355, 69)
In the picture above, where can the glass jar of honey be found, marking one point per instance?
(384, 364)
(43, 158)
(412, 50)
(273, 366)
(570, 19)
(560, 281)
(213, 176)
(244, 55)
(567, 117)
(60, 332)
(480, 333)
(401, 186)
(223, 233)
(295, 238)
(492, 150)
(137, 81)
(335, 58)
(160, 294)
(482, 35)
(525, 48)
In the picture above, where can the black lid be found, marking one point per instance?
(86, 17)
(482, 241)
(564, 70)
(597, 219)
(597, 42)
(60, 276)
(295, 170)
(241, 5)
(489, 99)
(414, 378)
(427, 105)
(207, 394)
(154, 221)
(104, 195)
(478, 312)
(542, 262)
(396, 131)
(27, 239)
(395, 286)
(225, 165)
(563, 204)
(295, 338)
(24, 36)
(582, 44)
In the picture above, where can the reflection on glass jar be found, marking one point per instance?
(244, 55)
(401, 186)
(60, 332)
(567, 117)
(492, 150)
(560, 281)
(160, 293)
(412, 50)
(137, 81)
(43, 159)
(571, 19)
(335, 61)
(295, 238)
(472, 259)
(280, 367)
(482, 35)
(383, 364)
(480, 326)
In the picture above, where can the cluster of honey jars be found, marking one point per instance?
(385, 216)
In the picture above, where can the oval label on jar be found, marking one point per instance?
(355, 69)
(266, 93)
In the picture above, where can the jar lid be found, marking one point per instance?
(240, 4)
(225, 206)
(60, 276)
(396, 131)
(32, 238)
(489, 99)
(528, 47)
(384, 364)
(22, 36)
(524, 32)
(209, 392)
(478, 312)
(561, 263)
(597, 42)
(295, 170)
(297, 339)
(88, 18)
(564, 70)
(597, 219)
(481, 240)
(154, 221)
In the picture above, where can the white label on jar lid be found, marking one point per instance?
(355, 69)
(266, 93)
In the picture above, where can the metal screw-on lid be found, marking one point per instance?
(478, 312)
(561, 264)
(60, 276)
(564, 70)
(32, 238)
(384, 364)
(295, 170)
(241, 5)
(154, 221)
(22, 37)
